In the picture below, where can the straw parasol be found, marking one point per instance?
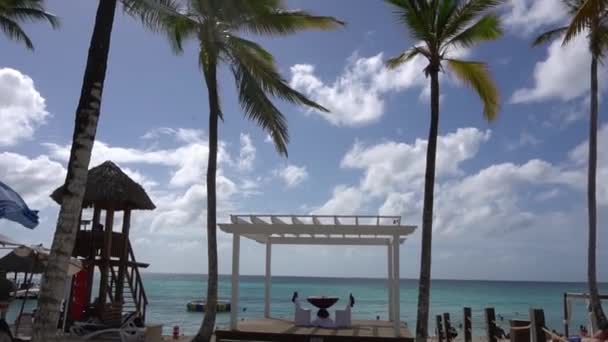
(108, 187)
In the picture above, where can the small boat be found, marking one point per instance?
(199, 306)
(31, 293)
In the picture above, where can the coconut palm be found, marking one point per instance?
(588, 18)
(12, 12)
(216, 26)
(440, 26)
(87, 117)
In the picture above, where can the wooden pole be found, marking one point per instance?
(396, 289)
(234, 306)
(467, 324)
(448, 326)
(268, 282)
(106, 253)
(566, 315)
(390, 282)
(439, 329)
(124, 258)
(491, 324)
(537, 323)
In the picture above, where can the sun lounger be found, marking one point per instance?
(129, 331)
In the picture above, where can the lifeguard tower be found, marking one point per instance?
(121, 290)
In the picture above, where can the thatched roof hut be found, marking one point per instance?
(110, 188)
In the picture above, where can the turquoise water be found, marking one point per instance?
(169, 293)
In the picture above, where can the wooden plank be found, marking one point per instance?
(468, 322)
(284, 330)
(448, 326)
(537, 323)
(122, 266)
(490, 324)
(105, 256)
(439, 328)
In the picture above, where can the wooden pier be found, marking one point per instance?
(283, 330)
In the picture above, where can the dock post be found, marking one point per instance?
(447, 324)
(268, 282)
(391, 313)
(537, 323)
(491, 324)
(439, 329)
(566, 315)
(234, 305)
(396, 287)
(467, 324)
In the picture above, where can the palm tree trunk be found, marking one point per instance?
(208, 325)
(595, 302)
(85, 128)
(424, 289)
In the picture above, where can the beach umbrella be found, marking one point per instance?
(13, 207)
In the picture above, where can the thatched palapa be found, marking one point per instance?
(110, 188)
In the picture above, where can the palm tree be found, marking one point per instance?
(215, 25)
(14, 11)
(588, 18)
(440, 26)
(87, 117)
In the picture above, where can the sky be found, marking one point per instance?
(510, 200)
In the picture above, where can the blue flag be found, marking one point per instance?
(13, 207)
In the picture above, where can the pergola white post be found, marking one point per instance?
(234, 302)
(396, 290)
(268, 279)
(390, 281)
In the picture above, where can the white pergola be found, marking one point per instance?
(384, 231)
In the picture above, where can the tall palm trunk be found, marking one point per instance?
(208, 325)
(85, 128)
(595, 302)
(424, 289)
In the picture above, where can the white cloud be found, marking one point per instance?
(387, 163)
(526, 16)
(292, 175)
(33, 178)
(563, 75)
(247, 153)
(22, 108)
(344, 201)
(494, 201)
(579, 156)
(357, 96)
(189, 158)
(525, 140)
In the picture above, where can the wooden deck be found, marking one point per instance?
(282, 330)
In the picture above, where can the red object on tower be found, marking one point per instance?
(80, 292)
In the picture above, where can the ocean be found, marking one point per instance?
(168, 295)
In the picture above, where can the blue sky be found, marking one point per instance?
(510, 198)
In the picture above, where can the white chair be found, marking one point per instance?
(302, 316)
(343, 317)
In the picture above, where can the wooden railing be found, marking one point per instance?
(135, 285)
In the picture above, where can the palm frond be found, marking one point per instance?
(179, 29)
(549, 35)
(444, 13)
(587, 12)
(281, 22)
(406, 56)
(154, 14)
(259, 63)
(14, 32)
(259, 108)
(486, 29)
(410, 13)
(31, 14)
(477, 76)
(465, 13)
